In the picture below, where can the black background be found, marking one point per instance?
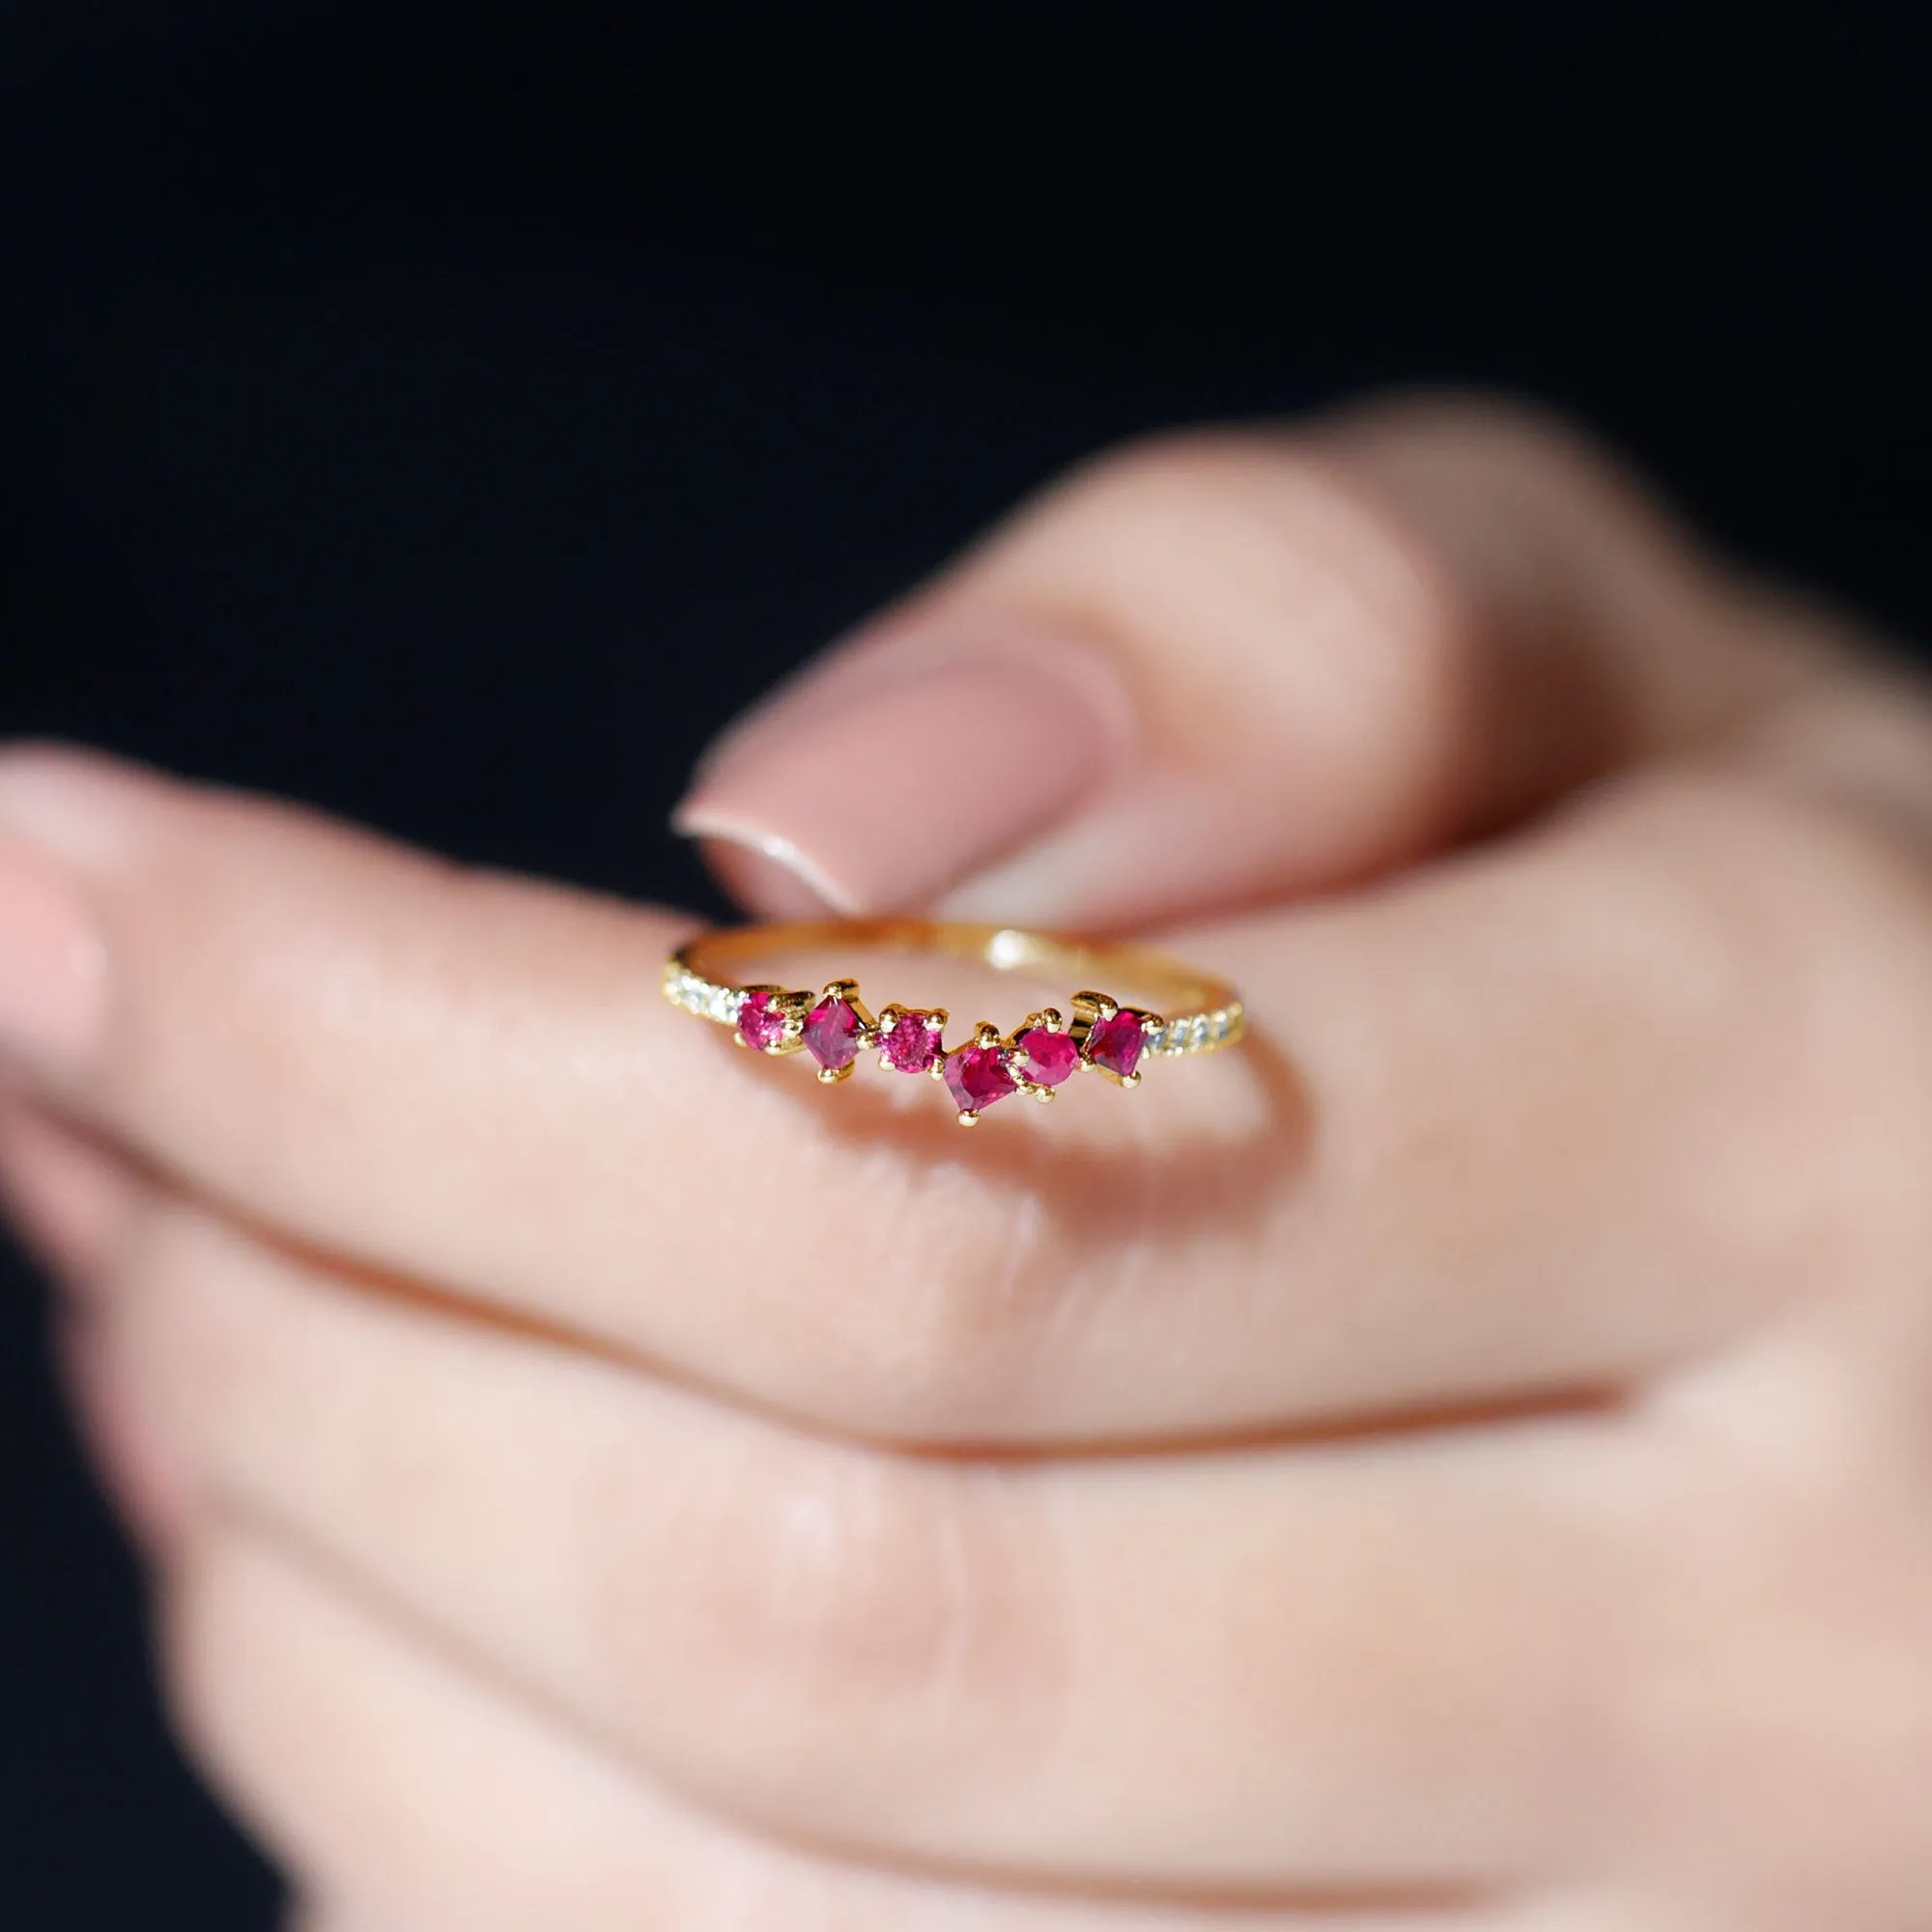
(452, 417)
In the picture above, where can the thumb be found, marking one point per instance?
(1223, 667)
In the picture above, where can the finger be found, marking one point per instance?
(379, 1770)
(307, 1915)
(1347, 1667)
(65, 1191)
(473, 1082)
(1229, 667)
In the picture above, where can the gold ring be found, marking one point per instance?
(1104, 1036)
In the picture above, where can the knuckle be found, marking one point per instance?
(936, 1323)
(181, 1300)
(212, 1647)
(266, 1683)
(1797, 936)
(958, 1353)
(1832, 1571)
(1225, 537)
(1477, 431)
(839, 1582)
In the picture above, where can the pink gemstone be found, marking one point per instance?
(1116, 1044)
(1050, 1056)
(913, 1044)
(760, 1023)
(832, 1032)
(977, 1076)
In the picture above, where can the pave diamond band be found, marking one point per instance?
(1202, 1013)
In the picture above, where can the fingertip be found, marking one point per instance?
(139, 1468)
(922, 775)
(53, 962)
(66, 1192)
(72, 801)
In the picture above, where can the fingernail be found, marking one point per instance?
(875, 787)
(52, 965)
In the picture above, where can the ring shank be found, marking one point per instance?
(1199, 1011)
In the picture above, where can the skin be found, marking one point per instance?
(1461, 1465)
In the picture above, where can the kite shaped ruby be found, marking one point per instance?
(760, 1023)
(832, 1033)
(1050, 1056)
(976, 1076)
(913, 1044)
(1115, 1043)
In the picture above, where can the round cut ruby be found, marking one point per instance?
(761, 1023)
(1050, 1056)
(979, 1075)
(1116, 1043)
(913, 1044)
(831, 1032)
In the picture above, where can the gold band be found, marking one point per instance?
(1201, 1013)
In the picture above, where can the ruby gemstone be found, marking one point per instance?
(976, 1076)
(1050, 1056)
(760, 1023)
(913, 1044)
(832, 1030)
(1116, 1043)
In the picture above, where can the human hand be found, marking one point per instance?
(1467, 1469)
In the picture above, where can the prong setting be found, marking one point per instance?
(772, 1020)
(911, 1039)
(1113, 1037)
(1034, 1059)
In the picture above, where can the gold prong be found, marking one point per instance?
(1100, 1005)
(830, 1076)
(969, 1119)
(835, 989)
(939, 1017)
(986, 1035)
(889, 1015)
(739, 1039)
(937, 1071)
(1042, 1094)
(1127, 1080)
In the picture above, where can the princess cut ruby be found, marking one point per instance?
(833, 1032)
(976, 1076)
(1116, 1043)
(1050, 1056)
(913, 1044)
(761, 1023)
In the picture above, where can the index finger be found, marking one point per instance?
(472, 1081)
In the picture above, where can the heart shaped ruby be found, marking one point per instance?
(1115, 1043)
